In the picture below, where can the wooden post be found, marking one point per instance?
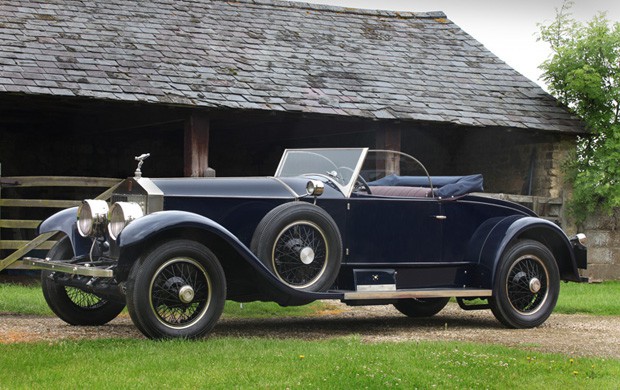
(197, 145)
(389, 139)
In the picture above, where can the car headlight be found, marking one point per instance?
(315, 188)
(92, 215)
(121, 214)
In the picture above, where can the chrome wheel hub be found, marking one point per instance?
(535, 285)
(306, 255)
(186, 294)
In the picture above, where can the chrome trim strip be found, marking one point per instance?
(375, 287)
(288, 188)
(426, 293)
(67, 268)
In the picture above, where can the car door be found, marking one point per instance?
(392, 230)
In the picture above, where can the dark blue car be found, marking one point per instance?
(364, 227)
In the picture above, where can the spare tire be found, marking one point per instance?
(300, 243)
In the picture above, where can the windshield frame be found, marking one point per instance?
(347, 187)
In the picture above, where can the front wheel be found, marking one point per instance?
(421, 307)
(527, 285)
(177, 290)
(70, 304)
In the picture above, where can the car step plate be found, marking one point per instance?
(418, 293)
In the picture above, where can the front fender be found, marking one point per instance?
(502, 234)
(65, 221)
(138, 235)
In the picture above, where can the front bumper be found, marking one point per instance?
(67, 267)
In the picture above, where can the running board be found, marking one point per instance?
(419, 293)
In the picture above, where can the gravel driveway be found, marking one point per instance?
(578, 335)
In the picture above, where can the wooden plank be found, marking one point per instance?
(107, 194)
(19, 223)
(196, 153)
(51, 203)
(17, 244)
(18, 254)
(58, 181)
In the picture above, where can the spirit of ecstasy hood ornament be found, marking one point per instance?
(140, 159)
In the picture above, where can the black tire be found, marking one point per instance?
(177, 290)
(527, 284)
(300, 243)
(70, 304)
(421, 307)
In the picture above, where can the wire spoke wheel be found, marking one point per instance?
(177, 290)
(180, 292)
(83, 299)
(527, 284)
(300, 254)
(71, 304)
(300, 244)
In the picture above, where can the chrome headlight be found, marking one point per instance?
(92, 216)
(121, 214)
(315, 187)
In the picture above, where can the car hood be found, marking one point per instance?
(226, 187)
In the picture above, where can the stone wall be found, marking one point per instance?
(603, 246)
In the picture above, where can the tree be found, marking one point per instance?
(584, 74)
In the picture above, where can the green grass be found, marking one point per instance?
(596, 298)
(21, 299)
(345, 363)
(29, 299)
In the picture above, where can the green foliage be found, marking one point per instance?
(584, 74)
(259, 363)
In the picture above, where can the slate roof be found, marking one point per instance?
(267, 55)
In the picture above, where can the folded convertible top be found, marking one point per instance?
(443, 186)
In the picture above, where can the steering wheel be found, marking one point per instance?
(361, 184)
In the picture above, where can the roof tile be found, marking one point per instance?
(268, 54)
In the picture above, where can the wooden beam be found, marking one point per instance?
(57, 181)
(196, 145)
(389, 139)
(19, 223)
(51, 203)
(13, 257)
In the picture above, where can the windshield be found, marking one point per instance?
(380, 165)
(341, 166)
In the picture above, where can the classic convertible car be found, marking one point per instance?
(364, 227)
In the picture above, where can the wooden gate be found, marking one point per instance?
(26, 201)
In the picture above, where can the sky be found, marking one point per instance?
(508, 28)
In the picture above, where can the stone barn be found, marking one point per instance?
(86, 86)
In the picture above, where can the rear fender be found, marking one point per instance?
(65, 221)
(144, 232)
(494, 239)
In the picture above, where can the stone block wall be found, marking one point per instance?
(603, 232)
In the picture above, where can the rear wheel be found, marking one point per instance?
(70, 304)
(421, 307)
(178, 290)
(527, 285)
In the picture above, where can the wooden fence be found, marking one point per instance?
(22, 209)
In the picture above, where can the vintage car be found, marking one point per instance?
(363, 227)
